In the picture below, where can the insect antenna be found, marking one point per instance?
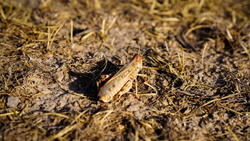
(144, 52)
(139, 49)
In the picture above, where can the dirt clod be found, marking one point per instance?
(12, 102)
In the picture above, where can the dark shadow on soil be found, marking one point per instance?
(86, 83)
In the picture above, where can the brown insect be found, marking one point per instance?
(122, 81)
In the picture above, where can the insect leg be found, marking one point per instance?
(124, 89)
(103, 78)
(136, 90)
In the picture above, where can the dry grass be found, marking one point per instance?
(196, 56)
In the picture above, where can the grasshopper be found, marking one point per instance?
(122, 81)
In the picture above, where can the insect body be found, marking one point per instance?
(122, 81)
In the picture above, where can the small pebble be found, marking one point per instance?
(12, 102)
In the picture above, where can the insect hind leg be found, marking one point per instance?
(125, 89)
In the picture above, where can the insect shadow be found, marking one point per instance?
(86, 83)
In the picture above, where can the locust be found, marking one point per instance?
(122, 81)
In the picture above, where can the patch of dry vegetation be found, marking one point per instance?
(196, 55)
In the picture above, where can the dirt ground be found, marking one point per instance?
(195, 55)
